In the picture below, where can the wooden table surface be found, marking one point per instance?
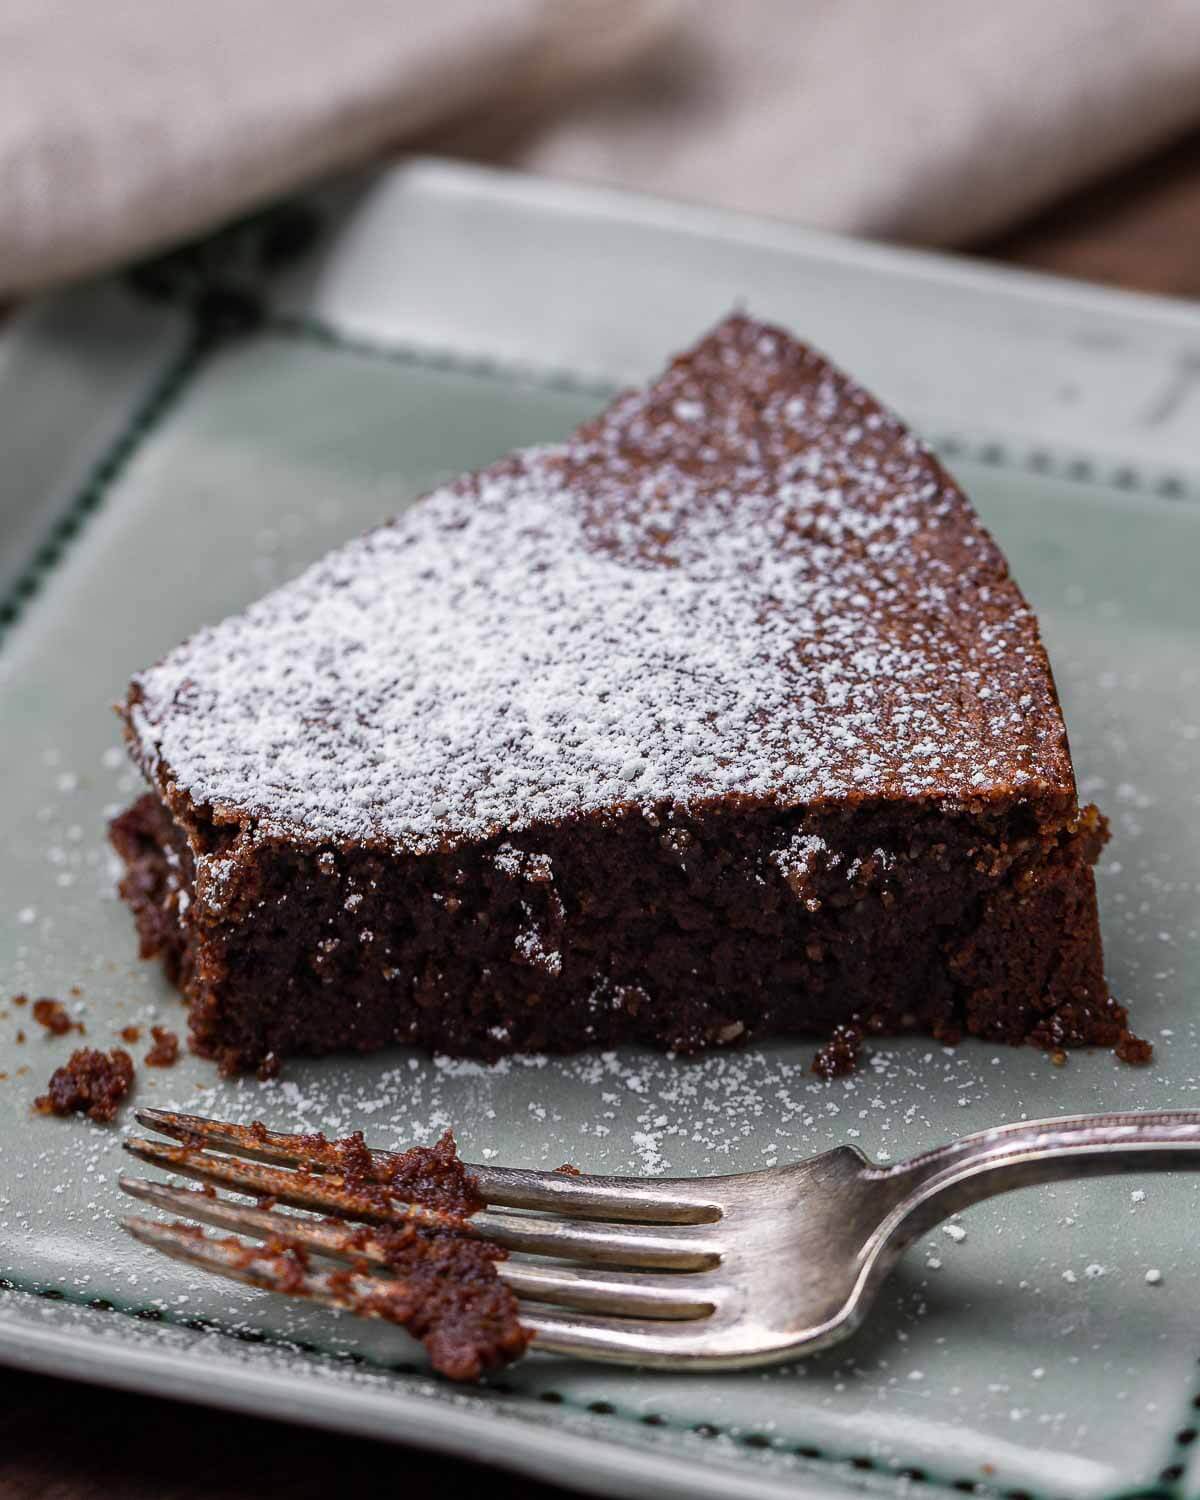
(60, 1441)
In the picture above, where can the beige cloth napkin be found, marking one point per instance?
(129, 124)
(936, 121)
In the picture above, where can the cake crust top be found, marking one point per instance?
(747, 581)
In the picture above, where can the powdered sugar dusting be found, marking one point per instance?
(746, 580)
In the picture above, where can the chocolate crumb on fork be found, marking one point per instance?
(411, 1216)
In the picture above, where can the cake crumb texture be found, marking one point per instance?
(90, 1082)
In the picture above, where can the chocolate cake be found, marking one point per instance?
(721, 719)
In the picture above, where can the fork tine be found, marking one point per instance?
(610, 1244)
(629, 1341)
(339, 1241)
(298, 1190)
(379, 1297)
(244, 1140)
(366, 1295)
(638, 1199)
(670, 1296)
(675, 1249)
(667, 1297)
(584, 1197)
(629, 1245)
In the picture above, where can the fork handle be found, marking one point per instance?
(940, 1183)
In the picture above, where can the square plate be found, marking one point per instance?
(156, 479)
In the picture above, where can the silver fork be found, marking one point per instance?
(684, 1273)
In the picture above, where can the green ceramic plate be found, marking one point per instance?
(153, 481)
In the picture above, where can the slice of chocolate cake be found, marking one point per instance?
(722, 719)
